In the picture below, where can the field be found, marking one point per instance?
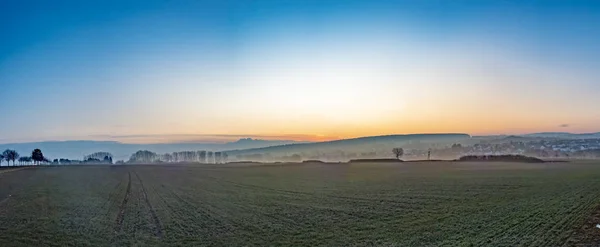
(409, 204)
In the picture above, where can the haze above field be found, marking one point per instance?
(244, 146)
(216, 71)
(77, 149)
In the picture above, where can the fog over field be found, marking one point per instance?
(415, 146)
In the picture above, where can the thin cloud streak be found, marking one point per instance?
(207, 138)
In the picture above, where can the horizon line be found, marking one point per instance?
(226, 138)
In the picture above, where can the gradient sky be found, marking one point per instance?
(142, 71)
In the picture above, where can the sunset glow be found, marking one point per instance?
(308, 71)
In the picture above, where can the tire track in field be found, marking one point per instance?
(121, 216)
(13, 170)
(158, 227)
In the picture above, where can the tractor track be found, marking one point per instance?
(121, 216)
(158, 231)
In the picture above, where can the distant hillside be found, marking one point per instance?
(362, 143)
(77, 149)
(564, 135)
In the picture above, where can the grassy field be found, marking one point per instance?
(410, 204)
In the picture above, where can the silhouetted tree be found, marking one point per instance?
(456, 147)
(167, 158)
(217, 157)
(25, 160)
(143, 156)
(108, 159)
(37, 156)
(202, 156)
(399, 152)
(224, 158)
(209, 156)
(98, 156)
(6, 156)
(13, 155)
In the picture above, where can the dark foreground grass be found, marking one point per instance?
(404, 204)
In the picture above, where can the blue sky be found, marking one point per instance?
(322, 69)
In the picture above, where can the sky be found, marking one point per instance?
(148, 71)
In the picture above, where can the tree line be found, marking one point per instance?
(36, 158)
(145, 156)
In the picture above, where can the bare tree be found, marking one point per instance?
(13, 155)
(209, 156)
(217, 157)
(399, 152)
(224, 158)
(202, 156)
(6, 156)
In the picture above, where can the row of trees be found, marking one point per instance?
(96, 158)
(145, 156)
(9, 155)
(37, 157)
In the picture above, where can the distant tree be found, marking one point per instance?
(202, 155)
(217, 157)
(64, 161)
(98, 156)
(37, 156)
(6, 156)
(108, 159)
(398, 152)
(92, 161)
(167, 157)
(14, 155)
(209, 156)
(25, 160)
(55, 162)
(143, 156)
(456, 147)
(224, 158)
(1, 159)
(22, 160)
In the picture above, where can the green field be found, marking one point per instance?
(410, 204)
